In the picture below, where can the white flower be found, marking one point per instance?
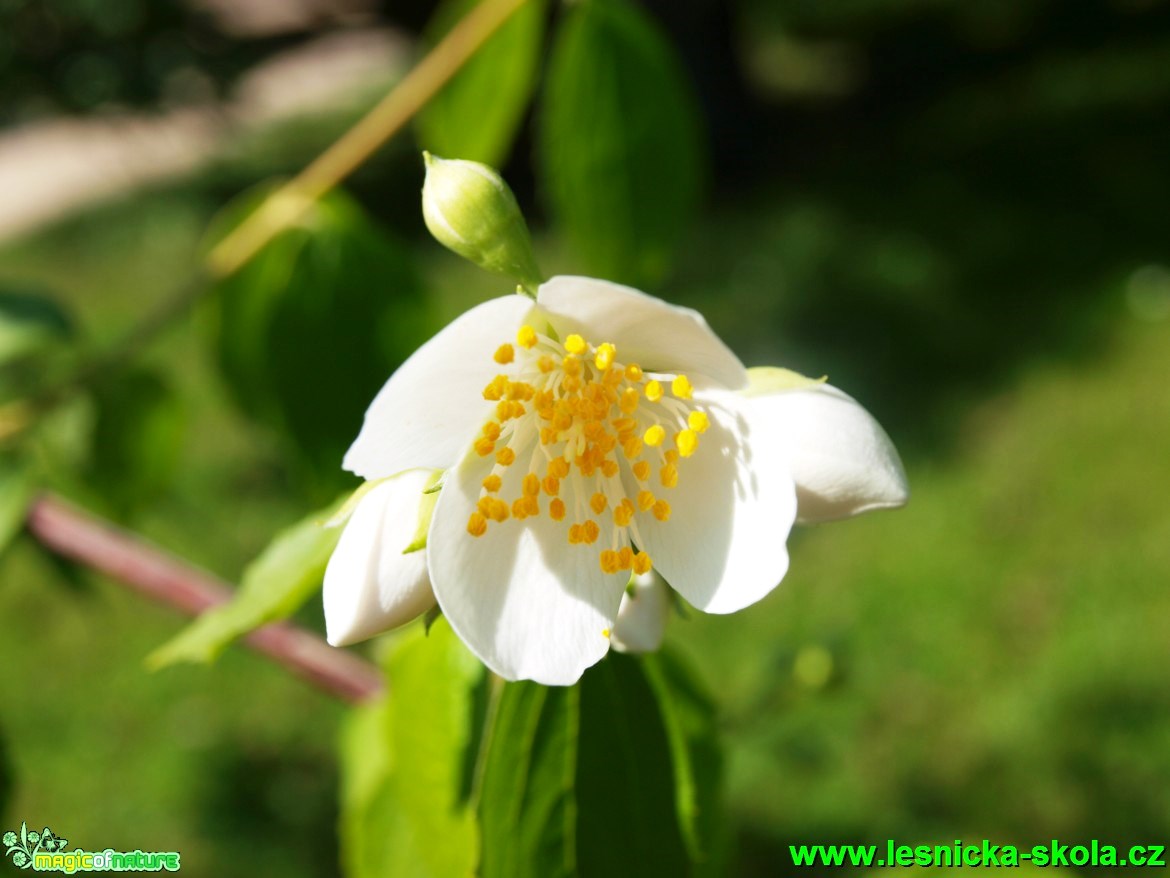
(589, 436)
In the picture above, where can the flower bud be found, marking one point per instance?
(470, 209)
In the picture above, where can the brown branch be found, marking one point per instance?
(100, 545)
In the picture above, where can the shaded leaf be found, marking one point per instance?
(17, 488)
(29, 323)
(405, 807)
(307, 332)
(619, 141)
(477, 114)
(274, 586)
(137, 438)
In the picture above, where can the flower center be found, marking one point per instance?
(593, 433)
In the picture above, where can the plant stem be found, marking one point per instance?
(102, 546)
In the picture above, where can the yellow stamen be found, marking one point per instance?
(505, 456)
(625, 558)
(591, 531)
(484, 446)
(556, 509)
(687, 442)
(634, 373)
(668, 475)
(598, 502)
(645, 500)
(654, 436)
(492, 483)
(642, 470)
(574, 344)
(642, 563)
(628, 401)
(491, 430)
(476, 525)
(653, 391)
(681, 387)
(504, 354)
(698, 421)
(605, 357)
(662, 510)
(531, 485)
(552, 485)
(546, 364)
(526, 337)
(498, 510)
(609, 561)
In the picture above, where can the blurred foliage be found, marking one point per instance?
(309, 330)
(478, 114)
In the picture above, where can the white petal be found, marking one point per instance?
(424, 415)
(370, 585)
(658, 336)
(723, 547)
(641, 621)
(842, 460)
(531, 606)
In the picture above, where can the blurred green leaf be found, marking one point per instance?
(309, 330)
(404, 808)
(689, 719)
(6, 780)
(137, 438)
(582, 781)
(619, 141)
(274, 586)
(17, 487)
(29, 323)
(477, 114)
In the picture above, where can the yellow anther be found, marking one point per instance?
(491, 430)
(515, 409)
(575, 535)
(495, 388)
(556, 509)
(504, 354)
(654, 436)
(531, 485)
(605, 356)
(590, 531)
(632, 447)
(671, 456)
(519, 511)
(668, 475)
(572, 384)
(546, 364)
(625, 558)
(551, 485)
(681, 387)
(499, 510)
(634, 372)
(628, 401)
(558, 467)
(571, 366)
(698, 421)
(547, 435)
(609, 561)
(687, 442)
(609, 468)
(645, 500)
(503, 410)
(484, 446)
(642, 563)
(642, 470)
(613, 377)
(623, 514)
(484, 506)
(662, 510)
(492, 483)
(593, 430)
(624, 425)
(476, 525)
(607, 443)
(574, 344)
(526, 337)
(505, 456)
(598, 502)
(653, 391)
(562, 420)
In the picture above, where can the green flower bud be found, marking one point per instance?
(470, 209)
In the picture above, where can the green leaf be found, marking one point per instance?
(477, 114)
(6, 778)
(607, 777)
(307, 332)
(137, 438)
(17, 489)
(528, 806)
(619, 141)
(29, 323)
(405, 807)
(274, 586)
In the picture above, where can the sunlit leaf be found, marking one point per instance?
(17, 487)
(619, 141)
(478, 112)
(137, 437)
(274, 586)
(406, 761)
(582, 780)
(309, 330)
